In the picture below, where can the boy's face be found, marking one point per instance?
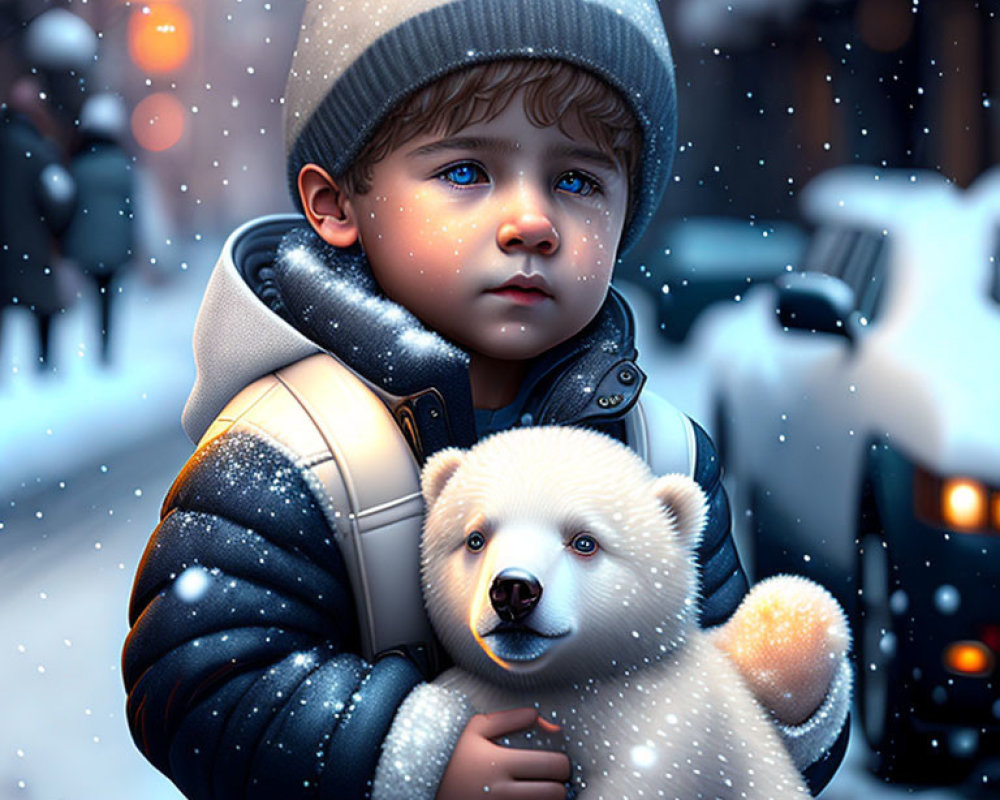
(501, 237)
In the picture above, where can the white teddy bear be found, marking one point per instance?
(558, 572)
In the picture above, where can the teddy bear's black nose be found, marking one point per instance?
(514, 593)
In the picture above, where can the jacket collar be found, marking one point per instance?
(329, 295)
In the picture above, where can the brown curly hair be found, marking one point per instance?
(553, 92)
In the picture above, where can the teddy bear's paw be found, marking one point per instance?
(787, 639)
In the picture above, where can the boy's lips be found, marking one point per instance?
(524, 290)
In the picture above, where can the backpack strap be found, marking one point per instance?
(661, 435)
(345, 437)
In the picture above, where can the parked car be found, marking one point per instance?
(688, 265)
(856, 404)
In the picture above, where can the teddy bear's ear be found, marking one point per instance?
(684, 502)
(438, 471)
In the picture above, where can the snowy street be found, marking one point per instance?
(67, 564)
(94, 453)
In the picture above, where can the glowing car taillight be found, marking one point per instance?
(969, 658)
(964, 504)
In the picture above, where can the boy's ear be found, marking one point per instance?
(327, 207)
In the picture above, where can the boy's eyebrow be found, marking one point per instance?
(507, 147)
(464, 143)
(590, 154)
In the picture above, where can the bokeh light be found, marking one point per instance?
(159, 37)
(884, 25)
(964, 504)
(969, 658)
(158, 122)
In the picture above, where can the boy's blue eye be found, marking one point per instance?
(577, 183)
(464, 174)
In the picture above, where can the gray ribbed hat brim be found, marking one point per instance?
(431, 44)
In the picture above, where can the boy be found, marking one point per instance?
(468, 172)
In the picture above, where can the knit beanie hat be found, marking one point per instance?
(357, 59)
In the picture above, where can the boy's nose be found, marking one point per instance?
(531, 233)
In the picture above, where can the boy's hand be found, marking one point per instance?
(481, 768)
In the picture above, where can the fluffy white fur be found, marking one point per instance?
(646, 704)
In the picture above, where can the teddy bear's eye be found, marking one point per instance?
(584, 544)
(475, 541)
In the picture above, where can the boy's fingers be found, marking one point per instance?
(537, 765)
(529, 790)
(500, 723)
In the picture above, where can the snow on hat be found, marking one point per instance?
(355, 61)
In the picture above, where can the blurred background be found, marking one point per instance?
(177, 106)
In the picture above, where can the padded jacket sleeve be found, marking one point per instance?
(723, 582)
(240, 668)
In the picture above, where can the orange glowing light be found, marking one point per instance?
(159, 37)
(548, 727)
(963, 504)
(158, 122)
(996, 510)
(884, 25)
(969, 658)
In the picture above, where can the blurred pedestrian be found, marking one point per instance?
(100, 237)
(36, 198)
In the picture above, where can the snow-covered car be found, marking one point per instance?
(856, 405)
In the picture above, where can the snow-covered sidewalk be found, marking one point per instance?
(55, 422)
(88, 452)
